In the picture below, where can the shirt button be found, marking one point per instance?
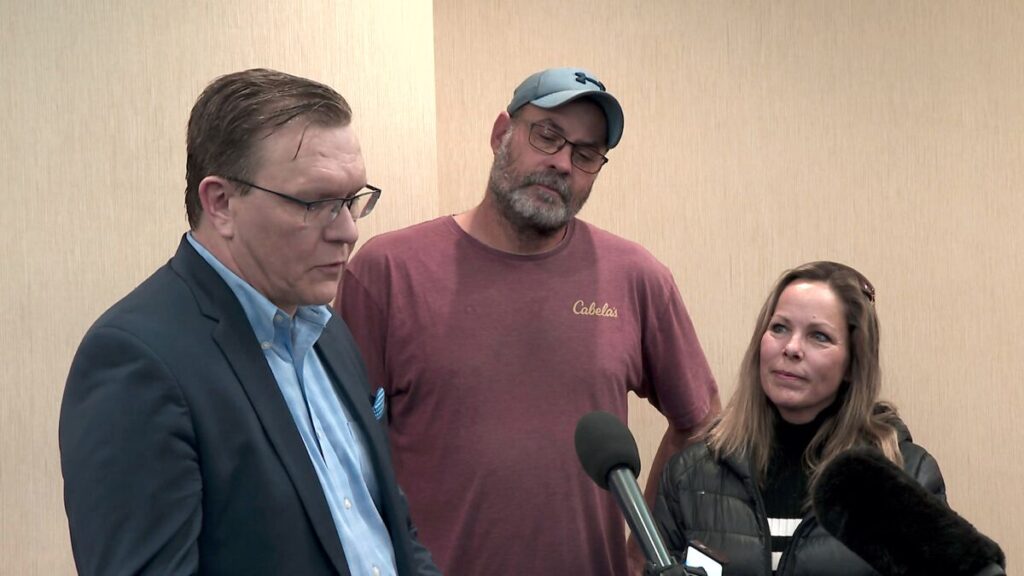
(348, 504)
(376, 571)
(266, 345)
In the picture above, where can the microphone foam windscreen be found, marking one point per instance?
(884, 516)
(603, 443)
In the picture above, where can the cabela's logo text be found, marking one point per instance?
(579, 308)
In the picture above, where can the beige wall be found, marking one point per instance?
(758, 135)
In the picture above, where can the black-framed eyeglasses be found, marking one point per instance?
(545, 139)
(326, 211)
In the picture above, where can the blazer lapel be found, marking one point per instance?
(237, 341)
(340, 355)
(350, 381)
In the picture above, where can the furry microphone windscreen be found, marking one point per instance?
(884, 516)
(603, 443)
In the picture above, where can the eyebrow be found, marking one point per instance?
(332, 193)
(558, 127)
(813, 324)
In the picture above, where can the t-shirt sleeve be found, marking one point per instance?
(677, 378)
(365, 314)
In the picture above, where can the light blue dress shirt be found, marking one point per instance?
(334, 443)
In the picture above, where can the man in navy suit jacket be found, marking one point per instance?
(218, 419)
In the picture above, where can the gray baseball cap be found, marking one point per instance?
(556, 86)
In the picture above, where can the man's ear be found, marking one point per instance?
(501, 125)
(215, 194)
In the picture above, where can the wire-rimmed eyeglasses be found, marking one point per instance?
(545, 139)
(326, 211)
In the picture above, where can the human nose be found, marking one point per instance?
(343, 228)
(792, 348)
(561, 160)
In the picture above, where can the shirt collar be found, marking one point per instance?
(258, 309)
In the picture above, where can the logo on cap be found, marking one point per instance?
(583, 79)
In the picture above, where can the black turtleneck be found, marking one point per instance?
(785, 486)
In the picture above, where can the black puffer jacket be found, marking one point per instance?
(718, 503)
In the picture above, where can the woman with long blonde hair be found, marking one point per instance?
(808, 389)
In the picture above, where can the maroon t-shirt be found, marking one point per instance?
(488, 359)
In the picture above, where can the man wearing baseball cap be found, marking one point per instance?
(494, 330)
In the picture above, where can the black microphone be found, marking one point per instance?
(608, 453)
(884, 516)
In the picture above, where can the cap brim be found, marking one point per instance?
(607, 102)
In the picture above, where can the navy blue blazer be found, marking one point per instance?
(178, 451)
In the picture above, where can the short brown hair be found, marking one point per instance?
(237, 110)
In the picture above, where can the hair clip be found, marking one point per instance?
(868, 290)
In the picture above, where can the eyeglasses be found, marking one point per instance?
(545, 139)
(326, 211)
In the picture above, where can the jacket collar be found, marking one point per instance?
(349, 375)
(234, 335)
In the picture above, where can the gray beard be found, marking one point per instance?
(527, 212)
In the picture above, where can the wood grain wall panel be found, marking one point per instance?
(760, 135)
(94, 99)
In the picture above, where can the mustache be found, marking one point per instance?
(549, 179)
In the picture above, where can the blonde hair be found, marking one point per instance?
(746, 426)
